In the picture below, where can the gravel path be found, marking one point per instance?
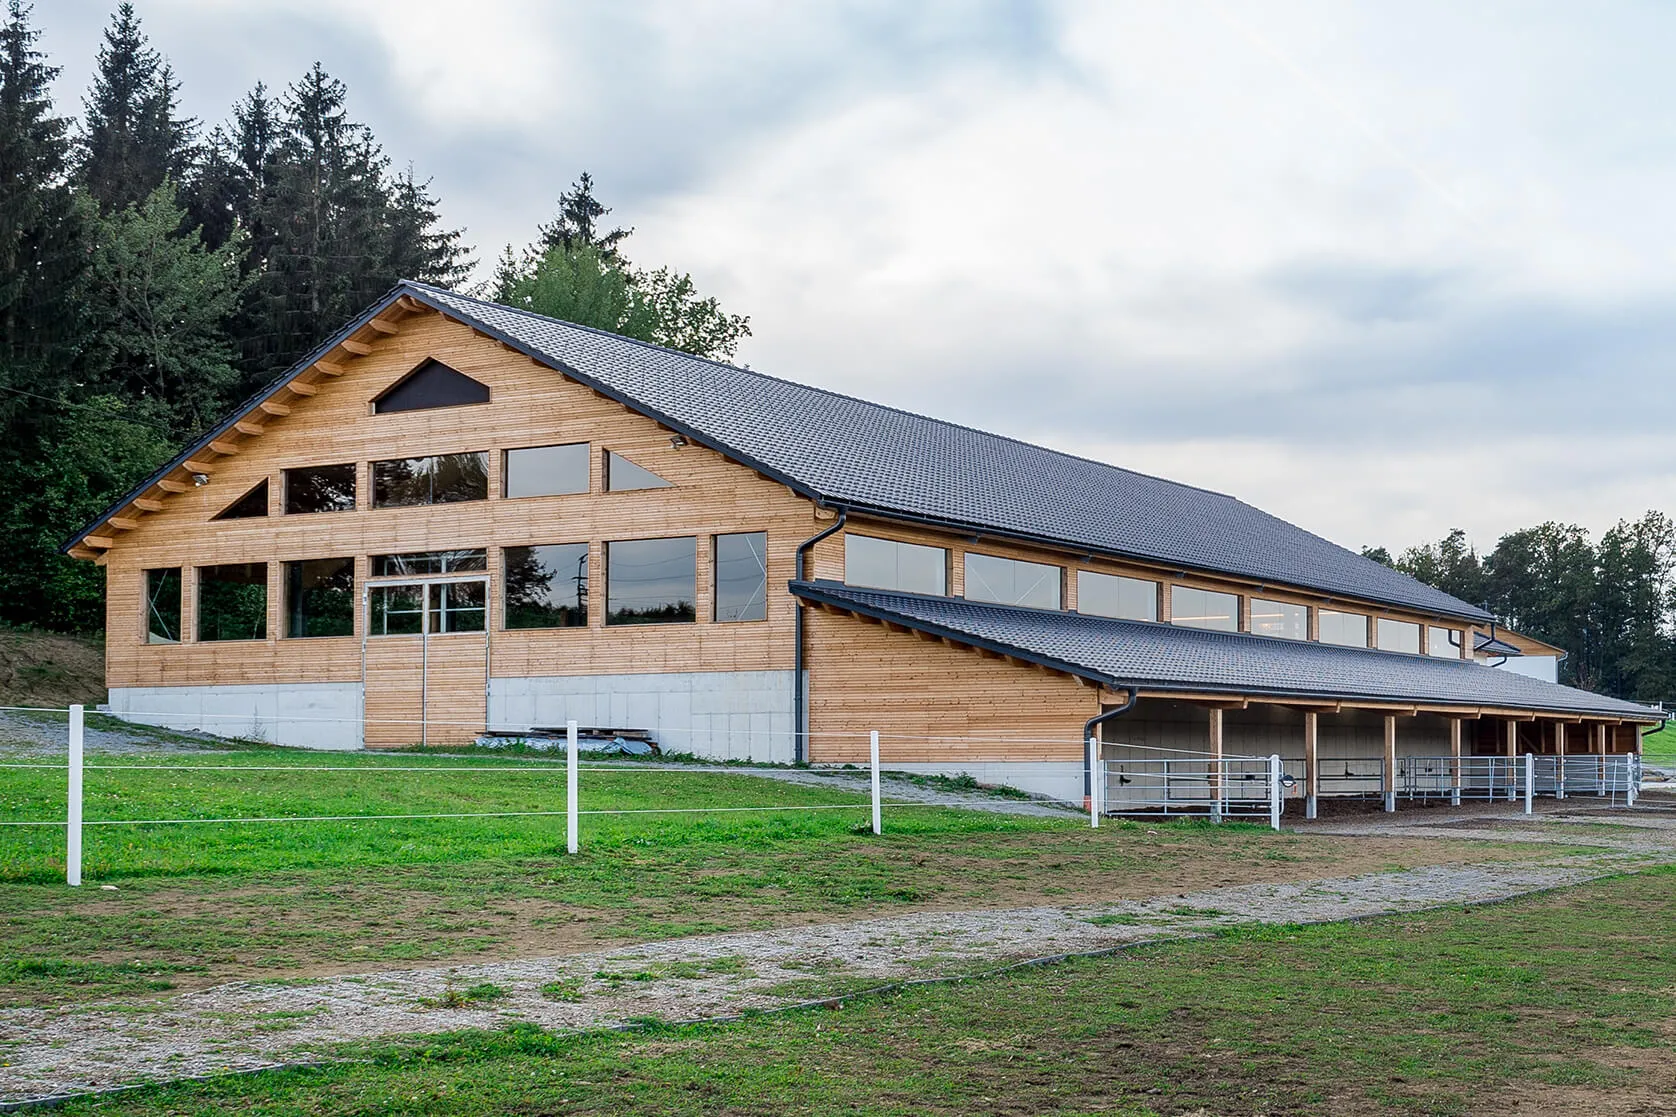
(47, 734)
(52, 1051)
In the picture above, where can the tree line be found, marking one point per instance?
(1611, 605)
(154, 272)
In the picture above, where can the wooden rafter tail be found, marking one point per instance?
(122, 523)
(170, 485)
(197, 467)
(412, 305)
(274, 408)
(302, 388)
(103, 542)
(146, 504)
(332, 368)
(245, 426)
(384, 326)
(226, 449)
(80, 552)
(350, 345)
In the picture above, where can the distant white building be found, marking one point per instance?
(1518, 654)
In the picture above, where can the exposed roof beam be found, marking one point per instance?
(245, 426)
(145, 505)
(302, 388)
(170, 485)
(197, 467)
(384, 326)
(332, 368)
(103, 542)
(359, 348)
(273, 408)
(123, 523)
(226, 449)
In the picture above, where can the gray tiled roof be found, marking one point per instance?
(1165, 657)
(868, 456)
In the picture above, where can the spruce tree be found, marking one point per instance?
(131, 138)
(577, 223)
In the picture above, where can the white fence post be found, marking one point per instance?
(1274, 792)
(1094, 779)
(1530, 781)
(571, 842)
(878, 820)
(72, 832)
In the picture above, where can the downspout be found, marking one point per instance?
(799, 739)
(1088, 729)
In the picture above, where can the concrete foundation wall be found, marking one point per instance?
(722, 715)
(303, 715)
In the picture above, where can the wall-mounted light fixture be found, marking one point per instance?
(200, 479)
(676, 441)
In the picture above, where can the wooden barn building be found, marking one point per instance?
(456, 517)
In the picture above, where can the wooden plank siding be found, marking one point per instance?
(530, 406)
(866, 677)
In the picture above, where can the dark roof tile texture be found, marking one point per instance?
(1165, 657)
(869, 456)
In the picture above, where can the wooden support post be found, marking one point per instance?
(1312, 766)
(1559, 760)
(1216, 781)
(1454, 762)
(1389, 775)
(1512, 755)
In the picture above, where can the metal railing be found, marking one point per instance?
(1188, 786)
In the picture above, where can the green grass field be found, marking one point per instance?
(1660, 747)
(1564, 1002)
(215, 901)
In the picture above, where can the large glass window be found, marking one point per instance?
(458, 607)
(651, 581)
(622, 475)
(251, 504)
(442, 479)
(430, 562)
(1013, 582)
(320, 597)
(742, 577)
(888, 565)
(233, 601)
(1444, 643)
(1196, 608)
(547, 470)
(1348, 629)
(1279, 618)
(1399, 636)
(397, 610)
(547, 586)
(1113, 595)
(320, 488)
(162, 606)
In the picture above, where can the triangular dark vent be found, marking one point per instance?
(252, 503)
(432, 384)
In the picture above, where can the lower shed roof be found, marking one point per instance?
(1162, 657)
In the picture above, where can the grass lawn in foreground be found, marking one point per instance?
(1562, 1002)
(212, 902)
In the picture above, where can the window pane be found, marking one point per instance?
(320, 597)
(889, 565)
(1012, 582)
(443, 479)
(1399, 636)
(251, 504)
(1279, 618)
(162, 609)
(321, 488)
(233, 602)
(547, 470)
(651, 581)
(1348, 629)
(547, 587)
(457, 607)
(1113, 595)
(397, 610)
(1196, 608)
(1444, 643)
(430, 562)
(742, 577)
(622, 475)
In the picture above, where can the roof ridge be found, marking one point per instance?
(833, 393)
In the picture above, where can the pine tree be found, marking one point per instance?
(234, 173)
(131, 138)
(577, 224)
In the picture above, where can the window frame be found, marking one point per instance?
(373, 481)
(1235, 620)
(287, 613)
(610, 620)
(1253, 602)
(1156, 595)
(1048, 568)
(1433, 630)
(198, 603)
(506, 471)
(146, 632)
(1396, 624)
(1321, 615)
(898, 544)
(285, 508)
(761, 599)
(506, 587)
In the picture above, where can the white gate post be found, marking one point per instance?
(72, 832)
(1274, 792)
(1530, 781)
(570, 806)
(878, 821)
(1095, 776)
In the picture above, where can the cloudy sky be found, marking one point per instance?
(1381, 269)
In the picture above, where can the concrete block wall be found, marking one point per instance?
(721, 715)
(303, 715)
